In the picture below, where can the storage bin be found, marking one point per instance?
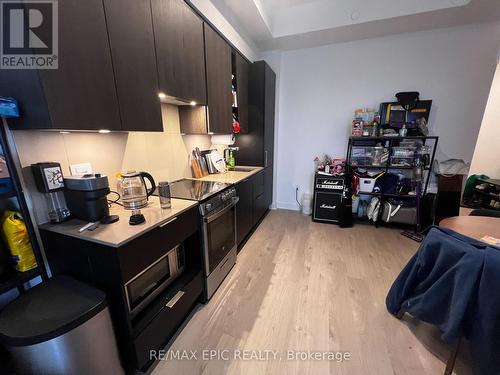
(366, 185)
(398, 161)
(380, 156)
(403, 152)
(362, 155)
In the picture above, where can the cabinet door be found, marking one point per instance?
(259, 204)
(179, 50)
(130, 32)
(244, 209)
(218, 65)
(193, 120)
(269, 107)
(268, 186)
(81, 94)
(242, 91)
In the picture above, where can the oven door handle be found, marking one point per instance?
(213, 217)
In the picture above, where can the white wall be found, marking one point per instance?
(319, 89)
(486, 158)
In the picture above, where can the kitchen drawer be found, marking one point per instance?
(177, 304)
(259, 208)
(137, 255)
(258, 184)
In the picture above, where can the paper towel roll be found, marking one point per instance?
(223, 139)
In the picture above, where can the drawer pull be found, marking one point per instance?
(168, 222)
(174, 299)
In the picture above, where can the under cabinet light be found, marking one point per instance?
(104, 131)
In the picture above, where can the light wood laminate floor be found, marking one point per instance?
(306, 286)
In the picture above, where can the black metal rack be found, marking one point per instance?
(14, 279)
(390, 142)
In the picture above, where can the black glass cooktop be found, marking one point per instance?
(195, 190)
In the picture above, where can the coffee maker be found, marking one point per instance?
(49, 181)
(87, 197)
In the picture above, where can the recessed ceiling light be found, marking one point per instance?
(193, 103)
(104, 131)
(162, 95)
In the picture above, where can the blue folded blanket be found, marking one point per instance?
(453, 281)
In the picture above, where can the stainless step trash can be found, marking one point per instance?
(61, 326)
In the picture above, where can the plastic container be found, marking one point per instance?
(362, 155)
(403, 152)
(380, 155)
(366, 185)
(398, 161)
(307, 204)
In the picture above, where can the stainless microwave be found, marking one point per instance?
(150, 282)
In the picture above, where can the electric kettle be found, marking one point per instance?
(134, 193)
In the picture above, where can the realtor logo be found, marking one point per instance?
(29, 34)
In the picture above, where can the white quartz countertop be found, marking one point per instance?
(231, 177)
(121, 232)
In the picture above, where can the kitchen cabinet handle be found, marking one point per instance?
(168, 222)
(174, 299)
(265, 158)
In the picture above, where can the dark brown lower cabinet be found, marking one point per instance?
(268, 185)
(255, 195)
(244, 209)
(110, 268)
(259, 205)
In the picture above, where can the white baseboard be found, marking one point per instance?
(289, 206)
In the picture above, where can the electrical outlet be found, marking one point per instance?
(80, 169)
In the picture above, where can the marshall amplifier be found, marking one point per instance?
(332, 200)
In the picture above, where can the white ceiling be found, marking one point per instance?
(291, 24)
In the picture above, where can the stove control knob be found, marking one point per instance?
(208, 206)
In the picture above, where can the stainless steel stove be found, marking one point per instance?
(195, 190)
(218, 211)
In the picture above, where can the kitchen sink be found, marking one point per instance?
(243, 169)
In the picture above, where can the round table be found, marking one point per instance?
(473, 226)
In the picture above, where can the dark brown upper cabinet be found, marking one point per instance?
(193, 120)
(257, 147)
(131, 38)
(240, 68)
(180, 57)
(81, 93)
(218, 66)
